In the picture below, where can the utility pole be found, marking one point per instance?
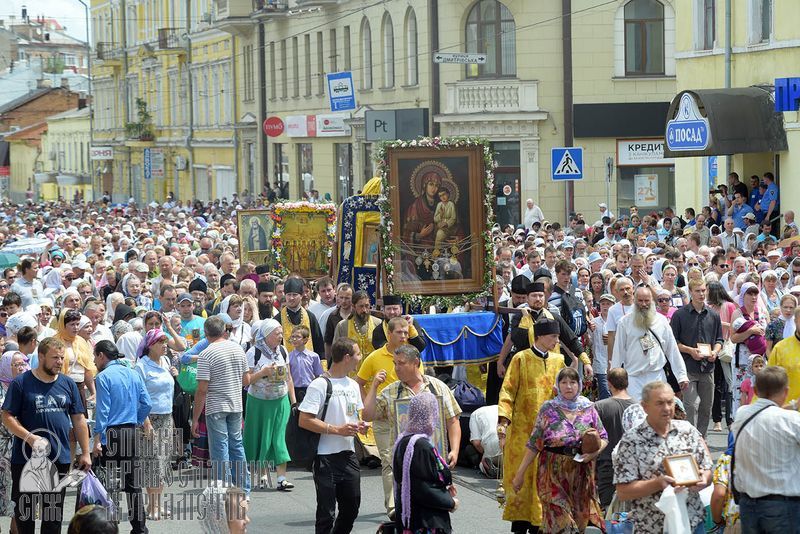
(90, 98)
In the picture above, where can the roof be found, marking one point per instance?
(32, 132)
(29, 97)
(70, 114)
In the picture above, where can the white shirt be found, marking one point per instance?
(483, 427)
(615, 314)
(599, 349)
(734, 240)
(342, 409)
(318, 309)
(533, 215)
(767, 451)
(628, 351)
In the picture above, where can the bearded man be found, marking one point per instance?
(644, 343)
(360, 325)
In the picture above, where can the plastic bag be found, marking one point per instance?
(676, 515)
(187, 378)
(93, 492)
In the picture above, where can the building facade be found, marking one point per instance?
(764, 46)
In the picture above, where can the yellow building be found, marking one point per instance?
(67, 170)
(763, 47)
(165, 61)
(27, 157)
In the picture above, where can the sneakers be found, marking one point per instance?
(284, 485)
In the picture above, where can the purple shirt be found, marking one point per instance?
(305, 367)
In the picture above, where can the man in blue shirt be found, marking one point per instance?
(41, 407)
(755, 192)
(770, 203)
(123, 404)
(738, 210)
(191, 324)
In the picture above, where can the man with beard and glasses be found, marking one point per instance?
(644, 343)
(360, 325)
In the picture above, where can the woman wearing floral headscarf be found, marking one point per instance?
(424, 491)
(269, 401)
(158, 375)
(566, 486)
(11, 364)
(78, 357)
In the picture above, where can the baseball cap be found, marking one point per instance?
(185, 296)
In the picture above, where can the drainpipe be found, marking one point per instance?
(234, 114)
(190, 93)
(262, 116)
(126, 96)
(433, 28)
(566, 37)
(728, 51)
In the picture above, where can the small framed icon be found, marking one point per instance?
(683, 468)
(705, 350)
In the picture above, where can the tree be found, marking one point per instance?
(142, 129)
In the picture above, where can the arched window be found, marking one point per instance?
(644, 38)
(490, 30)
(412, 61)
(388, 51)
(366, 55)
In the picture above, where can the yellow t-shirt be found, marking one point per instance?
(786, 354)
(380, 359)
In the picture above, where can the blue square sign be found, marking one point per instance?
(566, 163)
(341, 92)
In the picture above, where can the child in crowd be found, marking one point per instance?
(304, 364)
(748, 388)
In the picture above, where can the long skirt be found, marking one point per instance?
(157, 452)
(200, 456)
(265, 430)
(568, 494)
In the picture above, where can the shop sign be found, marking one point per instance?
(689, 129)
(640, 152)
(101, 153)
(273, 126)
(787, 94)
(329, 125)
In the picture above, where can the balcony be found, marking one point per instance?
(316, 3)
(268, 9)
(170, 41)
(109, 53)
(492, 96)
(233, 16)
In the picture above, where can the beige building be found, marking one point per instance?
(622, 72)
(67, 170)
(764, 46)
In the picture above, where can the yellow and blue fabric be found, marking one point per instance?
(355, 214)
(456, 338)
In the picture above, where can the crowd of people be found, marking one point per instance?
(137, 338)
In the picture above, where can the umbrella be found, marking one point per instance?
(8, 260)
(29, 245)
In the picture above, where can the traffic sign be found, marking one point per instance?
(689, 129)
(341, 94)
(147, 164)
(459, 57)
(566, 163)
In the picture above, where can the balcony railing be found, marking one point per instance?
(264, 7)
(316, 3)
(169, 38)
(108, 51)
(500, 96)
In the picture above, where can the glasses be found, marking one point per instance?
(3, 286)
(663, 299)
(723, 265)
(693, 264)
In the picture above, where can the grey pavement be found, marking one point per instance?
(293, 512)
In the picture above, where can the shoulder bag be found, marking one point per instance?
(302, 443)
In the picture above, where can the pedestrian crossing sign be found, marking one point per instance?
(567, 163)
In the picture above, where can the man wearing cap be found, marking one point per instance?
(752, 225)
(393, 307)
(293, 314)
(266, 297)
(191, 324)
(524, 334)
(599, 349)
(497, 368)
(528, 384)
(739, 209)
(199, 292)
(26, 285)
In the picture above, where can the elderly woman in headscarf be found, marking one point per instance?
(424, 491)
(770, 290)
(269, 400)
(85, 329)
(12, 363)
(158, 375)
(132, 288)
(112, 301)
(78, 356)
(566, 487)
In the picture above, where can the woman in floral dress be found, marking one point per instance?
(566, 487)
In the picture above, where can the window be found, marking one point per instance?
(369, 171)
(305, 155)
(295, 67)
(411, 51)
(644, 38)
(284, 71)
(388, 51)
(247, 64)
(709, 24)
(333, 50)
(346, 48)
(762, 21)
(491, 31)
(273, 84)
(320, 65)
(307, 48)
(174, 99)
(281, 170)
(366, 55)
(344, 171)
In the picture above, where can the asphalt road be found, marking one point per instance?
(290, 513)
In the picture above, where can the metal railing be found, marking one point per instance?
(169, 38)
(270, 6)
(106, 51)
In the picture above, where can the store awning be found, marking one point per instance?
(740, 120)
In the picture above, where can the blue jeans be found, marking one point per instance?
(226, 450)
(766, 516)
(602, 387)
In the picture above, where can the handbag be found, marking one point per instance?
(187, 377)
(469, 397)
(302, 443)
(726, 354)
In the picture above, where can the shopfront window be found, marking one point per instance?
(647, 188)
(305, 156)
(368, 170)
(507, 183)
(280, 175)
(344, 171)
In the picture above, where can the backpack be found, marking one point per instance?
(573, 312)
(301, 443)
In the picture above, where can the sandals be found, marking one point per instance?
(264, 482)
(284, 485)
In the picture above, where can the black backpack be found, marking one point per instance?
(302, 443)
(573, 312)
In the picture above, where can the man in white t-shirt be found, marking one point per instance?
(337, 475)
(483, 436)
(624, 305)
